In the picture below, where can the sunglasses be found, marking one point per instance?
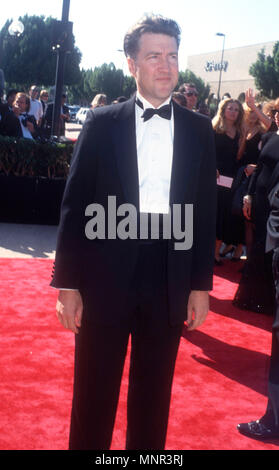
(191, 93)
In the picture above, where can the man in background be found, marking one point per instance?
(190, 92)
(36, 108)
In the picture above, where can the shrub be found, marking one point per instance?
(26, 157)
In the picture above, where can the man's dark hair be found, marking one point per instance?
(11, 92)
(155, 24)
(183, 87)
(180, 98)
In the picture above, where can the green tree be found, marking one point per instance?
(104, 79)
(30, 59)
(108, 80)
(266, 72)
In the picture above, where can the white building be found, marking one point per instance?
(236, 63)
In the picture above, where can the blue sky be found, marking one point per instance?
(99, 26)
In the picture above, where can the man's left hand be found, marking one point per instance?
(197, 309)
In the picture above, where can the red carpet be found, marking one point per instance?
(220, 378)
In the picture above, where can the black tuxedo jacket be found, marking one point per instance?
(11, 125)
(105, 164)
(272, 237)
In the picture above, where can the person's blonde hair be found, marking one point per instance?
(270, 106)
(247, 111)
(99, 100)
(43, 92)
(219, 121)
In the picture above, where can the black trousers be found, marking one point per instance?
(272, 412)
(99, 359)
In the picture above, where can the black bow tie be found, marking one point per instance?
(164, 111)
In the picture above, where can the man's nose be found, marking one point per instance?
(164, 64)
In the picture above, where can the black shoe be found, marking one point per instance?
(258, 430)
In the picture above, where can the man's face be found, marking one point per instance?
(33, 92)
(155, 67)
(20, 103)
(44, 97)
(191, 95)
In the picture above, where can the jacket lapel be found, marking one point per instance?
(185, 161)
(124, 135)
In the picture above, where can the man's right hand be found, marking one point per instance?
(69, 309)
(247, 207)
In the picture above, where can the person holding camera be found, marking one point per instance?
(28, 125)
(18, 123)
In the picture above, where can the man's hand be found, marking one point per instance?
(197, 309)
(30, 127)
(250, 99)
(247, 208)
(69, 309)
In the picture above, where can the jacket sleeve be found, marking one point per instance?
(79, 192)
(272, 236)
(204, 226)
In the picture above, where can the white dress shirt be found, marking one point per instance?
(155, 151)
(36, 109)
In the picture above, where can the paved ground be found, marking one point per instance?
(27, 241)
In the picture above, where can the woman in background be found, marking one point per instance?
(256, 288)
(228, 129)
(256, 123)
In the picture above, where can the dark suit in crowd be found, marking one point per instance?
(10, 124)
(267, 427)
(272, 243)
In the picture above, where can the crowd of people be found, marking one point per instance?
(30, 115)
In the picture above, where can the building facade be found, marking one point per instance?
(235, 71)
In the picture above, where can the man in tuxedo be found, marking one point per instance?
(148, 158)
(267, 426)
(18, 122)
